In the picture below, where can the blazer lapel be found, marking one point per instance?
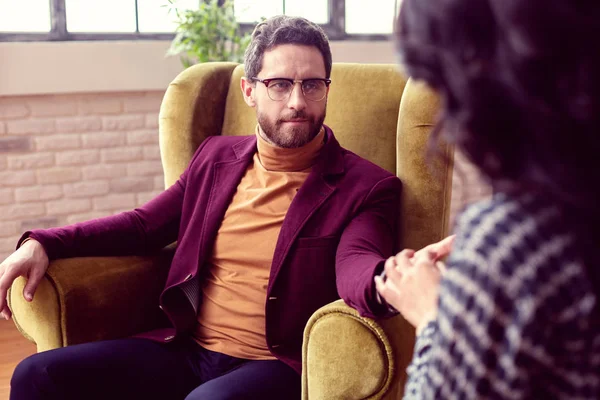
(226, 178)
(313, 193)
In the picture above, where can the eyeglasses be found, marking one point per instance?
(280, 89)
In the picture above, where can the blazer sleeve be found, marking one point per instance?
(366, 242)
(140, 231)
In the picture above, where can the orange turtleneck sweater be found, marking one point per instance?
(231, 319)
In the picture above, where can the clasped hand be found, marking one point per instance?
(412, 282)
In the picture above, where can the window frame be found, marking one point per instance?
(335, 28)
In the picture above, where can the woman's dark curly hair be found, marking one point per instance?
(520, 83)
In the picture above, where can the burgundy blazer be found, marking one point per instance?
(339, 229)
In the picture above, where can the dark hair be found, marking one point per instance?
(285, 30)
(520, 83)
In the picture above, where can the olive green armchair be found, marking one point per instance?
(375, 112)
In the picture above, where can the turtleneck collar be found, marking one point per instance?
(275, 158)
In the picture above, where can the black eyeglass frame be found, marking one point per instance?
(293, 82)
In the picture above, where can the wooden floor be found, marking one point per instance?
(13, 348)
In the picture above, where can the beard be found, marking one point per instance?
(291, 137)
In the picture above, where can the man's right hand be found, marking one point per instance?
(30, 261)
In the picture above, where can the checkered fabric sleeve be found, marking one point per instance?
(517, 311)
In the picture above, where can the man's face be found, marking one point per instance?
(294, 121)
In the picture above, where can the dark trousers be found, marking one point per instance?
(142, 369)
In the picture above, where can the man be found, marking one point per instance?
(269, 228)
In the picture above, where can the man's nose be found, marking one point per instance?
(297, 100)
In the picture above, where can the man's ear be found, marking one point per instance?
(248, 91)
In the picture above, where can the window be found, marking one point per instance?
(35, 16)
(100, 16)
(314, 10)
(362, 17)
(149, 19)
(153, 15)
(251, 11)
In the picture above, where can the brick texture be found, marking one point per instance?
(124, 153)
(152, 121)
(148, 136)
(59, 175)
(78, 157)
(38, 193)
(7, 196)
(68, 206)
(143, 198)
(52, 106)
(132, 184)
(86, 189)
(124, 122)
(30, 161)
(7, 245)
(13, 108)
(103, 140)
(115, 202)
(9, 228)
(78, 125)
(14, 144)
(74, 157)
(57, 142)
(39, 223)
(100, 105)
(31, 126)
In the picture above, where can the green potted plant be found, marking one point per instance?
(208, 33)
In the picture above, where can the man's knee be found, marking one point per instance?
(219, 392)
(27, 377)
(27, 370)
(204, 392)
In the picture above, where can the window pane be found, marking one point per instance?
(251, 11)
(314, 10)
(25, 16)
(153, 17)
(100, 16)
(362, 16)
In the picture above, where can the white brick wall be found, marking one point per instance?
(70, 158)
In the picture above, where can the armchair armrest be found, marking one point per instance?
(92, 298)
(346, 356)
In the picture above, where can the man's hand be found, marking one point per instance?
(29, 261)
(412, 282)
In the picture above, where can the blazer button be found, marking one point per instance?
(169, 338)
(161, 307)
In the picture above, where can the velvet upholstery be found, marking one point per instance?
(375, 112)
(86, 299)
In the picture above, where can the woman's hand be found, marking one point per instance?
(413, 280)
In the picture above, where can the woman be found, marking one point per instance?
(516, 312)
